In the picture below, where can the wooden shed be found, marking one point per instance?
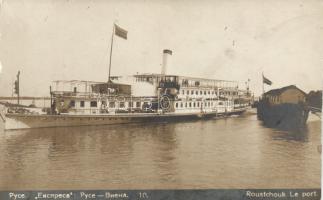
(288, 94)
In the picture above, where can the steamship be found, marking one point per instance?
(133, 99)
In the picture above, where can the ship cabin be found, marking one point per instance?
(289, 94)
(189, 94)
(191, 87)
(89, 97)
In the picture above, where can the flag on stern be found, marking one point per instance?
(120, 32)
(266, 80)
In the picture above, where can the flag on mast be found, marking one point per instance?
(120, 32)
(266, 80)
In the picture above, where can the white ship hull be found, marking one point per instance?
(25, 121)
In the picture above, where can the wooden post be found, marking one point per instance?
(18, 89)
(51, 100)
(263, 85)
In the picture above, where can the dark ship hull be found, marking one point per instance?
(283, 116)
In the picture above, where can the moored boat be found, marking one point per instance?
(132, 99)
(283, 108)
(145, 98)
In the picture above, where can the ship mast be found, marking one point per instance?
(118, 31)
(111, 48)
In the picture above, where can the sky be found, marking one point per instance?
(219, 39)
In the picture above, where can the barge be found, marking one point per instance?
(283, 108)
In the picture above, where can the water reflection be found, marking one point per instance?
(198, 154)
(296, 135)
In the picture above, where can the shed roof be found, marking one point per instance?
(279, 91)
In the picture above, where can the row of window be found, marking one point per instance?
(210, 83)
(197, 92)
(94, 104)
(275, 99)
(112, 104)
(196, 104)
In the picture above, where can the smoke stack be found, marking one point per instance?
(166, 60)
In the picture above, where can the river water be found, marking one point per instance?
(237, 152)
